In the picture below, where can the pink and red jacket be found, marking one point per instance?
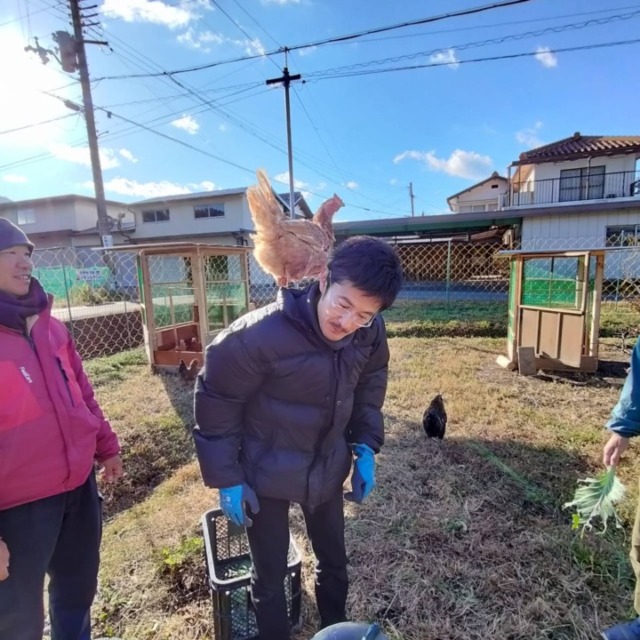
(51, 426)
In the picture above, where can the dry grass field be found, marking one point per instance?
(462, 539)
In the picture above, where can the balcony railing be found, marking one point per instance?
(622, 184)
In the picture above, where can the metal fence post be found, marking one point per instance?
(67, 296)
(448, 284)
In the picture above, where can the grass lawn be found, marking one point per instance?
(463, 538)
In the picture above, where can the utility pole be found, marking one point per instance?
(412, 197)
(78, 43)
(286, 79)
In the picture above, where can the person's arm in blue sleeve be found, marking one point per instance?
(625, 417)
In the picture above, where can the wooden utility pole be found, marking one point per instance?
(103, 224)
(286, 79)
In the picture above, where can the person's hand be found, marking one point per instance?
(363, 477)
(112, 469)
(4, 560)
(615, 447)
(233, 501)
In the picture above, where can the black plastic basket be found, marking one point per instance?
(229, 571)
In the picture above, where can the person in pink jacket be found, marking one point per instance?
(52, 434)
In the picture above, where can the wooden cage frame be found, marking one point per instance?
(553, 337)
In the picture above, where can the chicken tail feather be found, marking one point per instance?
(265, 210)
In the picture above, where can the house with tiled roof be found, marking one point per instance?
(584, 192)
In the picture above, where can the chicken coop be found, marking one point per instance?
(188, 294)
(554, 310)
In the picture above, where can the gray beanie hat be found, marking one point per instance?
(12, 236)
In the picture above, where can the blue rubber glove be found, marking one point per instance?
(363, 477)
(233, 501)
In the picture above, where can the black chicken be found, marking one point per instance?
(434, 420)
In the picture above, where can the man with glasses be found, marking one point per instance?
(289, 398)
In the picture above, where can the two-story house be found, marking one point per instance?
(584, 190)
(212, 217)
(66, 221)
(580, 192)
(487, 195)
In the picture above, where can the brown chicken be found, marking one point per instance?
(4, 561)
(190, 373)
(290, 250)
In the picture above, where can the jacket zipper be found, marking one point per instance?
(333, 415)
(66, 380)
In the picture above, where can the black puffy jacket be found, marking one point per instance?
(276, 403)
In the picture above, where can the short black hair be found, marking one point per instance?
(369, 264)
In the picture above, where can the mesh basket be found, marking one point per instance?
(229, 571)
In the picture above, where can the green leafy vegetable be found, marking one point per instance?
(595, 497)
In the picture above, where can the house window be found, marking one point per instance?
(623, 236)
(26, 216)
(156, 215)
(209, 211)
(585, 183)
(476, 208)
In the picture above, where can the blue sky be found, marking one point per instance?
(365, 137)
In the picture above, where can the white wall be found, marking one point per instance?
(583, 231)
(482, 194)
(183, 221)
(612, 164)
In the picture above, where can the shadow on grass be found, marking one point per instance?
(467, 538)
(154, 448)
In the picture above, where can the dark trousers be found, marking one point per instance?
(269, 544)
(58, 536)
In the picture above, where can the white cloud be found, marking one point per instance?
(152, 11)
(546, 58)
(529, 137)
(13, 178)
(447, 57)
(207, 185)
(303, 187)
(352, 184)
(187, 123)
(222, 127)
(393, 181)
(126, 187)
(127, 155)
(282, 3)
(80, 155)
(462, 164)
(307, 51)
(251, 47)
(200, 40)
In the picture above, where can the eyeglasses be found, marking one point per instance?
(346, 312)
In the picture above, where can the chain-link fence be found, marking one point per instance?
(98, 293)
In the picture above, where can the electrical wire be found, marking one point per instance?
(512, 56)
(482, 43)
(37, 124)
(343, 38)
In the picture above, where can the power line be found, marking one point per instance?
(257, 23)
(20, 19)
(499, 24)
(37, 124)
(241, 29)
(343, 38)
(511, 56)
(481, 43)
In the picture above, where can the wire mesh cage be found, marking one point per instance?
(188, 293)
(98, 293)
(229, 572)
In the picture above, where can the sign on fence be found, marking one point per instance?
(91, 274)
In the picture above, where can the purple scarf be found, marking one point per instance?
(14, 310)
